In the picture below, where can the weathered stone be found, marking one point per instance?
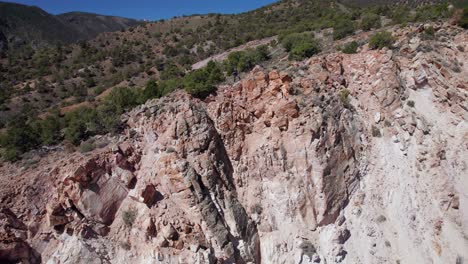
(273, 75)
(56, 215)
(151, 195)
(290, 148)
(170, 232)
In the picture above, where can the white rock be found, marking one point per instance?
(407, 136)
(377, 117)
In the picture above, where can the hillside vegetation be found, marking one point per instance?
(76, 91)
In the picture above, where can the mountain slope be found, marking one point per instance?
(22, 24)
(90, 25)
(390, 2)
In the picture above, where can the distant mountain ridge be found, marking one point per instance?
(22, 24)
(89, 25)
(390, 2)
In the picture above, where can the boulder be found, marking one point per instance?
(273, 75)
(288, 109)
(170, 232)
(56, 215)
(151, 196)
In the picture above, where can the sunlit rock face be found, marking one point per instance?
(351, 158)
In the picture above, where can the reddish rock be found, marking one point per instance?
(56, 215)
(289, 109)
(273, 75)
(151, 195)
(285, 78)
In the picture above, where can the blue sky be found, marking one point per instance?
(147, 9)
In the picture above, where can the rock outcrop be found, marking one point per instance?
(352, 158)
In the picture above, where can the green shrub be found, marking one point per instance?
(400, 14)
(343, 28)
(202, 82)
(80, 91)
(116, 103)
(169, 86)
(300, 45)
(11, 154)
(304, 50)
(410, 103)
(151, 90)
(344, 94)
(463, 20)
(431, 12)
(123, 55)
(291, 40)
(50, 130)
(122, 98)
(376, 132)
(99, 90)
(89, 82)
(350, 47)
(87, 146)
(370, 21)
(429, 33)
(21, 136)
(381, 40)
(171, 71)
(129, 216)
(85, 122)
(80, 124)
(245, 60)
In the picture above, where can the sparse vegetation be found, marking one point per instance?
(463, 20)
(410, 103)
(343, 28)
(304, 50)
(369, 21)
(376, 132)
(381, 39)
(87, 146)
(46, 77)
(245, 60)
(344, 94)
(21, 136)
(350, 47)
(201, 83)
(431, 12)
(129, 216)
(300, 46)
(403, 14)
(429, 33)
(307, 248)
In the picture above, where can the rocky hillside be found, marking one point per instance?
(386, 2)
(340, 158)
(29, 25)
(74, 75)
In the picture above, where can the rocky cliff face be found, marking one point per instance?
(356, 158)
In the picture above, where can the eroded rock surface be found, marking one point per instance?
(325, 162)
